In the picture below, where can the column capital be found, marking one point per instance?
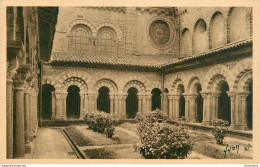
(243, 94)
(216, 94)
(170, 97)
(231, 94)
(64, 95)
(58, 95)
(82, 95)
(20, 80)
(112, 97)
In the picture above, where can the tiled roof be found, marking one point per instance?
(151, 61)
(154, 61)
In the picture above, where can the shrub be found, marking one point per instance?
(161, 141)
(220, 130)
(100, 122)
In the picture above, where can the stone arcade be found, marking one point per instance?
(190, 62)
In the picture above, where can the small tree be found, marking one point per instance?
(220, 130)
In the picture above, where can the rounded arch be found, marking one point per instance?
(72, 74)
(81, 22)
(218, 72)
(135, 84)
(156, 98)
(239, 24)
(77, 82)
(192, 85)
(143, 80)
(109, 25)
(47, 80)
(217, 30)
(47, 93)
(240, 70)
(200, 37)
(186, 43)
(243, 80)
(175, 85)
(111, 85)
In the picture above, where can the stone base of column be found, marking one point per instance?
(27, 148)
(81, 118)
(193, 121)
(242, 127)
(206, 123)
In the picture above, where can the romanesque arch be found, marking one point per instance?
(186, 43)
(110, 25)
(136, 84)
(174, 87)
(217, 34)
(75, 81)
(111, 85)
(200, 37)
(81, 22)
(47, 102)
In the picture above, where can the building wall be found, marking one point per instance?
(125, 21)
(222, 23)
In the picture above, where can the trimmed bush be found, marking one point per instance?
(161, 141)
(101, 122)
(220, 130)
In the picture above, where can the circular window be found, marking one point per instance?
(160, 33)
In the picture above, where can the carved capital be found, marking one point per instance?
(57, 96)
(215, 94)
(232, 95)
(243, 95)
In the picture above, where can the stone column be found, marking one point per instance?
(232, 103)
(87, 103)
(187, 107)
(215, 96)
(19, 143)
(124, 106)
(177, 107)
(27, 119)
(193, 108)
(95, 101)
(139, 97)
(170, 114)
(116, 106)
(58, 105)
(144, 103)
(165, 104)
(148, 102)
(243, 124)
(31, 117)
(9, 114)
(82, 106)
(119, 105)
(112, 105)
(53, 106)
(205, 108)
(64, 106)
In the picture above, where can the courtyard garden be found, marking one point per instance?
(151, 137)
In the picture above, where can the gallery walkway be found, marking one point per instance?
(51, 144)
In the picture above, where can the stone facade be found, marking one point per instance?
(197, 32)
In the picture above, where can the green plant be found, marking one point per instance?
(220, 130)
(161, 141)
(100, 122)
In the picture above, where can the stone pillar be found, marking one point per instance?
(116, 106)
(31, 117)
(243, 123)
(124, 106)
(53, 112)
(205, 108)
(112, 105)
(232, 103)
(165, 104)
(120, 105)
(139, 97)
(170, 114)
(19, 143)
(148, 102)
(177, 107)
(87, 109)
(187, 107)
(82, 106)
(9, 114)
(64, 106)
(95, 101)
(215, 96)
(144, 104)
(58, 105)
(27, 119)
(193, 108)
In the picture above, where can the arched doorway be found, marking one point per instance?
(131, 103)
(47, 101)
(224, 108)
(249, 101)
(73, 102)
(156, 98)
(199, 104)
(180, 91)
(103, 101)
